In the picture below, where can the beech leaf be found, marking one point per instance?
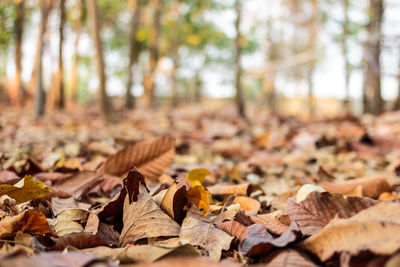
(26, 189)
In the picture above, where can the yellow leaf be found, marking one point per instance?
(201, 197)
(26, 189)
(196, 177)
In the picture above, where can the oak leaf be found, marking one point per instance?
(145, 219)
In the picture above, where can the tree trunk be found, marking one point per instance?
(60, 98)
(312, 44)
(238, 68)
(19, 29)
(373, 102)
(149, 84)
(40, 95)
(136, 6)
(198, 90)
(73, 84)
(397, 103)
(105, 104)
(347, 68)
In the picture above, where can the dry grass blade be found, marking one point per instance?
(151, 157)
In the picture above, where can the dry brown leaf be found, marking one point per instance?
(197, 230)
(59, 205)
(273, 224)
(371, 187)
(77, 240)
(174, 201)
(287, 258)
(80, 183)
(67, 227)
(226, 189)
(30, 220)
(248, 204)
(26, 189)
(140, 254)
(151, 157)
(318, 209)
(234, 228)
(376, 229)
(144, 219)
(260, 241)
(190, 262)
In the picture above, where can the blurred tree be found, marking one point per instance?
(136, 10)
(237, 64)
(313, 35)
(19, 30)
(372, 99)
(396, 105)
(59, 78)
(40, 95)
(73, 80)
(148, 79)
(344, 40)
(106, 107)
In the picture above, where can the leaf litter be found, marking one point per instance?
(200, 189)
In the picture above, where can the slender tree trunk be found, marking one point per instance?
(73, 84)
(397, 102)
(347, 67)
(40, 96)
(60, 98)
(149, 84)
(238, 68)
(19, 29)
(135, 6)
(312, 44)
(373, 102)
(198, 91)
(105, 104)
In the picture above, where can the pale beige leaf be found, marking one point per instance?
(144, 219)
(197, 230)
(227, 189)
(376, 229)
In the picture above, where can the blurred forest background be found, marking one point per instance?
(291, 56)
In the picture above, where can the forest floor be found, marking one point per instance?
(191, 187)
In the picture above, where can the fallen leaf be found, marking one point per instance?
(226, 189)
(190, 262)
(388, 196)
(259, 241)
(234, 228)
(305, 190)
(130, 187)
(140, 254)
(174, 201)
(77, 240)
(8, 177)
(80, 183)
(376, 229)
(196, 177)
(200, 196)
(59, 205)
(67, 227)
(318, 209)
(248, 204)
(286, 258)
(273, 224)
(151, 157)
(197, 230)
(29, 220)
(371, 187)
(144, 219)
(26, 189)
